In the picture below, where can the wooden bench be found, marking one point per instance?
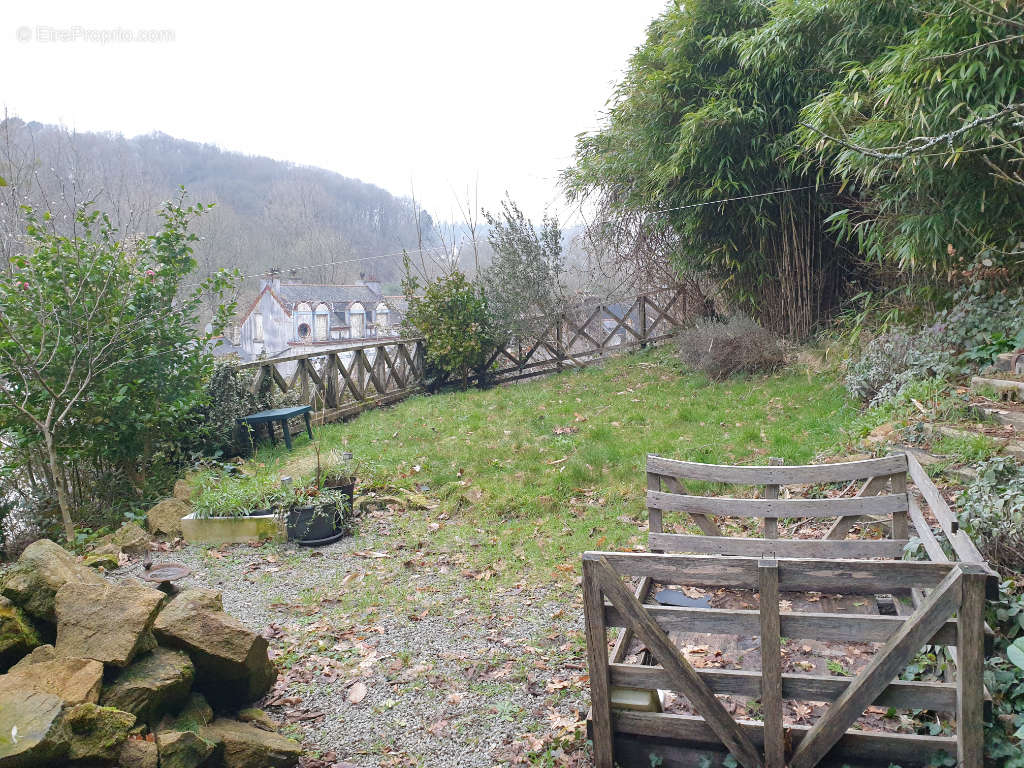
(281, 416)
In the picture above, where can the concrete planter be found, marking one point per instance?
(230, 530)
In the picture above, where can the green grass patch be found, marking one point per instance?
(524, 477)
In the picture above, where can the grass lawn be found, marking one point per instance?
(455, 611)
(527, 476)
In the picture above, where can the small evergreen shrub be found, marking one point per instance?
(721, 349)
(894, 360)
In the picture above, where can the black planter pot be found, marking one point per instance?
(315, 526)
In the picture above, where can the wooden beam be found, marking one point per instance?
(847, 577)
(706, 523)
(900, 694)
(842, 525)
(730, 507)
(597, 662)
(857, 627)
(854, 746)
(884, 666)
(771, 664)
(751, 547)
(771, 491)
(684, 677)
(805, 474)
(970, 668)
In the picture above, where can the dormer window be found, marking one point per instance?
(383, 315)
(321, 321)
(357, 321)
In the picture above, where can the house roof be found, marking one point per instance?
(337, 297)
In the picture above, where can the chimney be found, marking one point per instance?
(273, 279)
(370, 282)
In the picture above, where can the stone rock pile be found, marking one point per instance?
(115, 673)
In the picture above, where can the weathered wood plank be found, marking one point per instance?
(970, 668)
(731, 507)
(900, 694)
(771, 664)
(707, 524)
(771, 491)
(886, 748)
(842, 526)
(684, 677)
(597, 662)
(900, 529)
(621, 647)
(884, 666)
(847, 577)
(751, 547)
(785, 475)
(855, 627)
(655, 523)
(965, 549)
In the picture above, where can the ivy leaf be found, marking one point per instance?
(1015, 652)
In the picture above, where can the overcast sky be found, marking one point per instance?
(435, 93)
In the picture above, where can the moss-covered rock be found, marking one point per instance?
(32, 731)
(17, 635)
(43, 568)
(196, 713)
(97, 733)
(257, 717)
(183, 749)
(106, 561)
(129, 538)
(155, 683)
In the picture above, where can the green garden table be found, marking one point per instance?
(280, 415)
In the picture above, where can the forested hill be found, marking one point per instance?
(267, 213)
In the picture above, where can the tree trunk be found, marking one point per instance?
(62, 492)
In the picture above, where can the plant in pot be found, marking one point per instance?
(234, 508)
(320, 511)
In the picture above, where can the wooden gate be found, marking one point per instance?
(947, 610)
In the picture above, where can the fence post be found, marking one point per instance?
(597, 661)
(559, 352)
(643, 320)
(771, 664)
(970, 683)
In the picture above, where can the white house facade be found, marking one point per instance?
(290, 318)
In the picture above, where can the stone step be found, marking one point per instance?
(1006, 389)
(1004, 361)
(1002, 416)
(925, 459)
(1007, 446)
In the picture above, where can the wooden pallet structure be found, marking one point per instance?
(941, 602)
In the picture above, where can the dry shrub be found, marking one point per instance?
(721, 349)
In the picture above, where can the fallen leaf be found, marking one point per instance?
(357, 693)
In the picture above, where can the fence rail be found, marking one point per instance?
(340, 383)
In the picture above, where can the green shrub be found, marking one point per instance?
(722, 349)
(992, 511)
(451, 315)
(894, 360)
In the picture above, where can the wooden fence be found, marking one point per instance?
(938, 602)
(342, 382)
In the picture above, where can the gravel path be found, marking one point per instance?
(392, 656)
